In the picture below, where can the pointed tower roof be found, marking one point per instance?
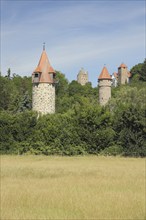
(104, 74)
(123, 65)
(44, 68)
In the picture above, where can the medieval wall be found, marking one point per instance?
(43, 98)
(104, 91)
(123, 77)
(82, 77)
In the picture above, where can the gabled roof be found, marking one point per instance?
(129, 74)
(115, 75)
(44, 68)
(123, 65)
(104, 74)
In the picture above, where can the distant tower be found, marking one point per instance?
(104, 82)
(123, 74)
(82, 77)
(43, 90)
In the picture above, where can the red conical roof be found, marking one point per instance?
(38, 69)
(104, 74)
(44, 68)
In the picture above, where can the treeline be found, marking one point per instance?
(80, 126)
(15, 93)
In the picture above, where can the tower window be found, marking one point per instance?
(36, 78)
(36, 75)
(51, 76)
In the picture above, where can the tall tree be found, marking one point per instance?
(8, 73)
(143, 71)
(139, 72)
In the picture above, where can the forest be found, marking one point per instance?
(80, 125)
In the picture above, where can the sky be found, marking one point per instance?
(83, 33)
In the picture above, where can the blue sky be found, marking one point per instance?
(77, 34)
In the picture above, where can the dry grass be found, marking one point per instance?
(39, 187)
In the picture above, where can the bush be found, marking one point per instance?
(114, 150)
(72, 150)
(131, 130)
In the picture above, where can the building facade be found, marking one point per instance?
(82, 77)
(123, 74)
(104, 83)
(122, 77)
(43, 89)
(114, 79)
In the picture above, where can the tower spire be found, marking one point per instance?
(43, 86)
(104, 82)
(44, 46)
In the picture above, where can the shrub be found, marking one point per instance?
(114, 150)
(72, 150)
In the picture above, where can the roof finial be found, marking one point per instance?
(44, 46)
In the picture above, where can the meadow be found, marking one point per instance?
(87, 187)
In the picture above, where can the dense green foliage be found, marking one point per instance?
(15, 93)
(139, 72)
(80, 125)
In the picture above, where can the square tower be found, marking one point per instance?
(123, 74)
(82, 77)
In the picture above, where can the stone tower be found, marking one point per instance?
(123, 74)
(82, 77)
(104, 82)
(43, 90)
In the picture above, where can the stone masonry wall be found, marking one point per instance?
(104, 91)
(43, 98)
(82, 78)
(122, 76)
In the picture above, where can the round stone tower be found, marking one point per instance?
(104, 82)
(43, 90)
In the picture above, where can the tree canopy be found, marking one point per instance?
(80, 125)
(139, 71)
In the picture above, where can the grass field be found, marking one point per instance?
(39, 187)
